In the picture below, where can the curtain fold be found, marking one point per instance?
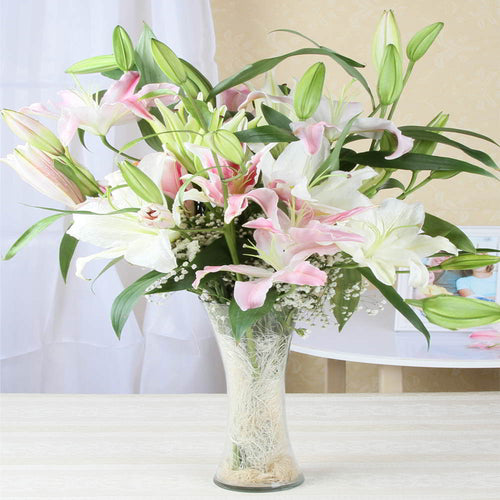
(57, 337)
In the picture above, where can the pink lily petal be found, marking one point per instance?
(137, 107)
(366, 127)
(236, 204)
(485, 334)
(122, 89)
(252, 294)
(332, 219)
(232, 98)
(257, 94)
(267, 199)
(253, 271)
(67, 126)
(262, 223)
(310, 135)
(302, 274)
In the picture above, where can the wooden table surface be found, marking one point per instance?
(442, 446)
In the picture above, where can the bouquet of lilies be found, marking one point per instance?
(253, 197)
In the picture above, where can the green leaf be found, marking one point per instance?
(467, 261)
(126, 300)
(149, 70)
(415, 162)
(391, 184)
(114, 74)
(87, 212)
(147, 131)
(29, 234)
(448, 129)
(215, 254)
(123, 49)
(452, 312)
(298, 33)
(397, 301)
(266, 133)
(242, 321)
(140, 183)
(344, 304)
(257, 68)
(434, 226)
(426, 135)
(199, 111)
(66, 251)
(275, 118)
(96, 64)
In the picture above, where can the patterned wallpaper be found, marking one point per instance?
(459, 76)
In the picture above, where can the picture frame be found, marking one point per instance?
(446, 282)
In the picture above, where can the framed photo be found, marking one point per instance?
(482, 283)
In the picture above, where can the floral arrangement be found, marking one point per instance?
(253, 197)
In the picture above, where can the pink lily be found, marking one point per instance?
(240, 190)
(232, 98)
(284, 248)
(118, 105)
(332, 117)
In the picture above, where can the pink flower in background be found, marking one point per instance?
(119, 104)
(490, 338)
(240, 190)
(232, 98)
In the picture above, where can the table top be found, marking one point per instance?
(372, 339)
(350, 446)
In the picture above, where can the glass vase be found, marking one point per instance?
(257, 454)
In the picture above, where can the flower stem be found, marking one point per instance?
(109, 146)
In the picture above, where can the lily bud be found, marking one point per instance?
(450, 311)
(428, 147)
(309, 91)
(226, 144)
(390, 79)
(37, 169)
(33, 132)
(422, 40)
(168, 62)
(123, 49)
(387, 33)
(468, 261)
(140, 183)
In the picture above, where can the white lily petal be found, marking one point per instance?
(81, 262)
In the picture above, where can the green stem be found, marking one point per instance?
(109, 146)
(409, 69)
(252, 351)
(374, 189)
(418, 186)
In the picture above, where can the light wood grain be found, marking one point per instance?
(350, 446)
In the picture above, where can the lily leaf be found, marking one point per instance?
(448, 129)
(30, 233)
(242, 321)
(66, 252)
(415, 162)
(149, 70)
(344, 304)
(126, 300)
(275, 118)
(397, 301)
(266, 133)
(425, 135)
(434, 226)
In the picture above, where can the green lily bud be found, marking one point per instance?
(390, 79)
(123, 49)
(387, 33)
(450, 311)
(422, 40)
(141, 184)
(309, 91)
(428, 147)
(468, 261)
(168, 62)
(33, 132)
(226, 144)
(97, 64)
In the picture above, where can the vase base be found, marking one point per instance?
(261, 489)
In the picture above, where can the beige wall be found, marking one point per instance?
(459, 76)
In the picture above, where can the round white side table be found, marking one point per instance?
(372, 339)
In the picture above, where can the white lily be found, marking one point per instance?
(143, 238)
(392, 240)
(295, 169)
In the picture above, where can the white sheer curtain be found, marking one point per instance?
(57, 337)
